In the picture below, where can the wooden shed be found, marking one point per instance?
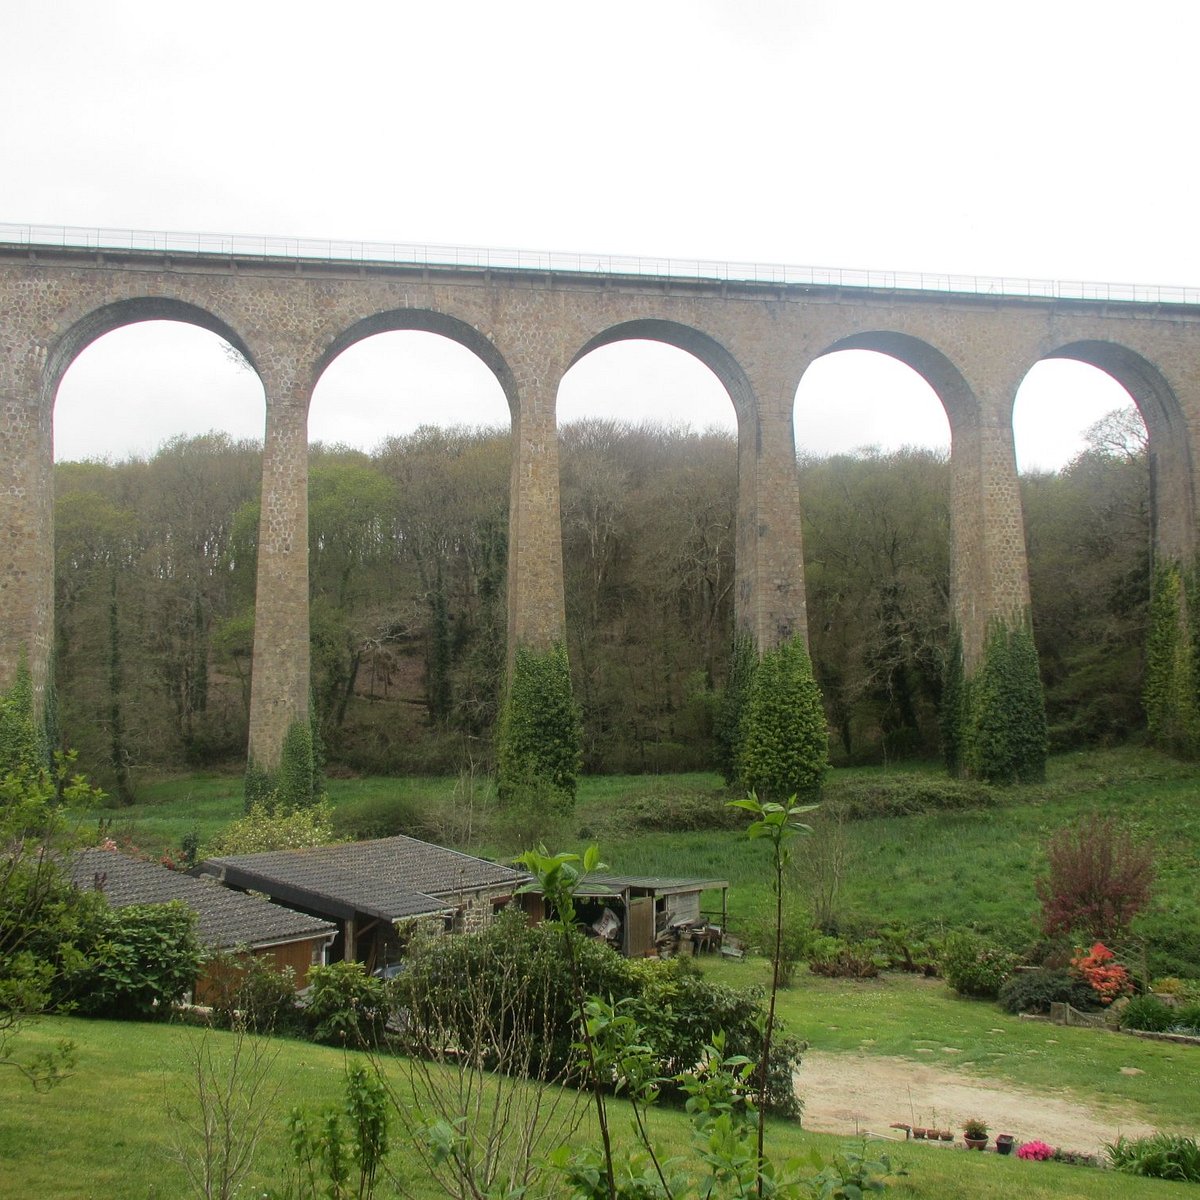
(655, 911)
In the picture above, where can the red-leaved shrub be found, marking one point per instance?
(1098, 879)
(1099, 970)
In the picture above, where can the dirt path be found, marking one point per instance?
(847, 1093)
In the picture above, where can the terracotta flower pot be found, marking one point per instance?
(975, 1143)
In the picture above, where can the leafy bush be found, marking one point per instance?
(538, 739)
(837, 959)
(669, 811)
(1035, 991)
(1035, 1151)
(1098, 878)
(795, 944)
(903, 949)
(144, 961)
(974, 967)
(903, 796)
(1159, 1156)
(784, 736)
(520, 975)
(252, 991)
(1147, 1013)
(1102, 973)
(263, 829)
(346, 1006)
(1187, 1020)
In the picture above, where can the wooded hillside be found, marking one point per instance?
(156, 568)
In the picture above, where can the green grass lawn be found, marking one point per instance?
(907, 1016)
(105, 1134)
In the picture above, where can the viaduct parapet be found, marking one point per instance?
(291, 317)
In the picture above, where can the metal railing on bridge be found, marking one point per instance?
(408, 253)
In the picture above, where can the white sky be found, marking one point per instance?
(1028, 139)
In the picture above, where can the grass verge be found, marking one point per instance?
(105, 1135)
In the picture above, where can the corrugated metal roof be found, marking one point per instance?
(225, 919)
(389, 878)
(659, 884)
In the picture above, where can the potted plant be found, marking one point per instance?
(1004, 1143)
(975, 1133)
(947, 1135)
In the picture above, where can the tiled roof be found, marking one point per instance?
(225, 919)
(387, 878)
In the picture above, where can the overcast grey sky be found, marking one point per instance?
(1037, 139)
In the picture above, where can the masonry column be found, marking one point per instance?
(989, 571)
(536, 607)
(770, 600)
(279, 682)
(26, 532)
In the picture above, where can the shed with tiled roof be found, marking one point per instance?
(226, 920)
(369, 886)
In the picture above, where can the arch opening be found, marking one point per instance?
(158, 431)
(403, 327)
(648, 416)
(1087, 492)
(872, 419)
(408, 501)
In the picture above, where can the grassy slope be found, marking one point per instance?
(104, 1135)
(930, 871)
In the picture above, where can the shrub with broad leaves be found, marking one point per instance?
(1102, 973)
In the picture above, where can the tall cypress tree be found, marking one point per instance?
(784, 736)
(1007, 729)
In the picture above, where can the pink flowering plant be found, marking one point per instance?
(1035, 1151)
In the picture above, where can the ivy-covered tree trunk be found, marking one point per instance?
(742, 662)
(21, 748)
(118, 750)
(784, 736)
(538, 740)
(954, 715)
(1172, 685)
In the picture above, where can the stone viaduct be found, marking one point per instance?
(291, 316)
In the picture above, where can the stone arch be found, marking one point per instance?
(423, 320)
(962, 408)
(769, 595)
(133, 311)
(988, 573)
(1172, 470)
(691, 341)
